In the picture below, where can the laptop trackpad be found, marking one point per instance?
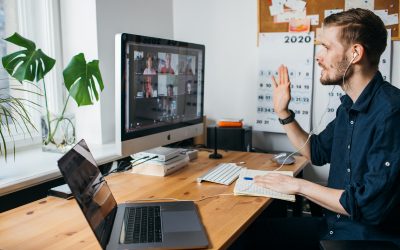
(180, 221)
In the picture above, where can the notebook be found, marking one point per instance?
(172, 225)
(244, 186)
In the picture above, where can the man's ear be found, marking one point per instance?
(358, 52)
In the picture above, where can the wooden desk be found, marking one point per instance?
(54, 223)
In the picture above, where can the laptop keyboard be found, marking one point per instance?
(143, 225)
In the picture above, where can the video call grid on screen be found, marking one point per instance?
(163, 84)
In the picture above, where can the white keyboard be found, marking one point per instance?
(223, 173)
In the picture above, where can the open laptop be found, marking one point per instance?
(129, 225)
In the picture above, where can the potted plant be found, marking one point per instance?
(13, 114)
(82, 80)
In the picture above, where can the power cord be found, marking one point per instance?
(326, 110)
(125, 165)
(312, 131)
(131, 165)
(175, 199)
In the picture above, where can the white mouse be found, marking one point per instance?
(283, 158)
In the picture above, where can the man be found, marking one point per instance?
(362, 143)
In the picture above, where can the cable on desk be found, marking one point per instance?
(136, 160)
(124, 166)
(175, 199)
(287, 157)
(131, 166)
(312, 131)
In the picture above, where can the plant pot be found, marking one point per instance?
(60, 135)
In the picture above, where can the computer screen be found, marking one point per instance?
(90, 190)
(159, 91)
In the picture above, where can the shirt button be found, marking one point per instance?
(387, 164)
(348, 170)
(351, 122)
(338, 216)
(331, 232)
(348, 146)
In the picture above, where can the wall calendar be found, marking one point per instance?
(296, 51)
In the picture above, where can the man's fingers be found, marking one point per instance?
(263, 178)
(270, 177)
(285, 75)
(274, 81)
(281, 74)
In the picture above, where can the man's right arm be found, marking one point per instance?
(281, 98)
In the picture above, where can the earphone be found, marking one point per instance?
(355, 54)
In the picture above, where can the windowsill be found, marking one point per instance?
(32, 167)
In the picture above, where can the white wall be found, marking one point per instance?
(79, 34)
(90, 26)
(229, 31)
(150, 18)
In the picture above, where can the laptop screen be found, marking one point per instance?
(90, 189)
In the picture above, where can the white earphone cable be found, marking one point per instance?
(320, 121)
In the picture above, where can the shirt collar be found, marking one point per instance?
(365, 98)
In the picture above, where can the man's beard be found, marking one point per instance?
(337, 79)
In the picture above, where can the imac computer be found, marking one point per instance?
(159, 87)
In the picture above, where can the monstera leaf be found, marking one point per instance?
(28, 64)
(83, 80)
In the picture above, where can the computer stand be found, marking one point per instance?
(215, 155)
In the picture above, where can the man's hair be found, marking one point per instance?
(361, 26)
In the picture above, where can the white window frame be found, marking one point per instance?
(39, 21)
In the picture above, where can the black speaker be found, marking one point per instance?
(237, 139)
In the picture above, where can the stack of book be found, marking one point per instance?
(161, 166)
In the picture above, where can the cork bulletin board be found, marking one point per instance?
(317, 7)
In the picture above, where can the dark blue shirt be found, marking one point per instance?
(362, 144)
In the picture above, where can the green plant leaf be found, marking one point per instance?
(81, 78)
(27, 64)
(12, 113)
